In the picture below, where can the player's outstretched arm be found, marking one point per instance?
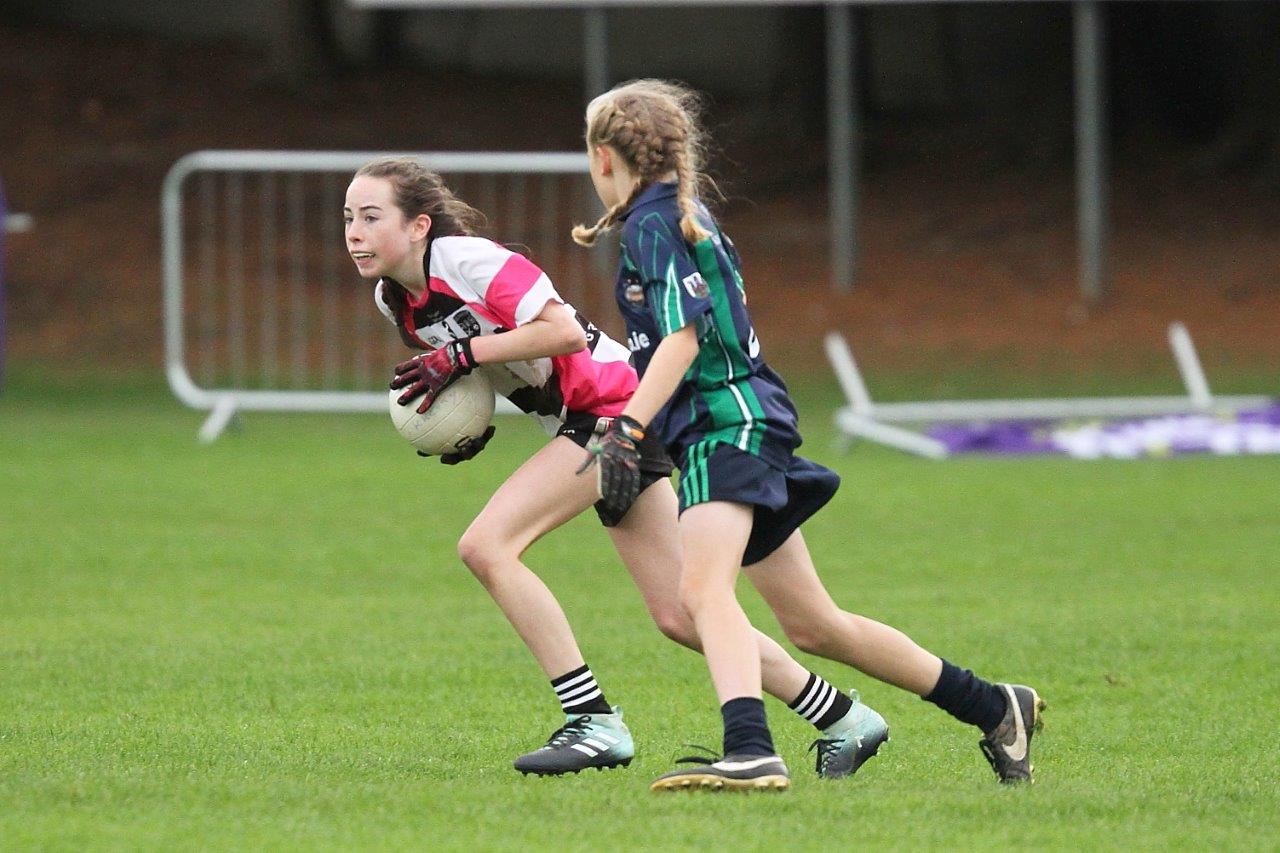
(555, 331)
(664, 374)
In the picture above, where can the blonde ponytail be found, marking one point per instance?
(685, 189)
(585, 235)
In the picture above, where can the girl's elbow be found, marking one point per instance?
(575, 340)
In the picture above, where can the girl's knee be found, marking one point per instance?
(675, 624)
(480, 553)
(819, 634)
(809, 639)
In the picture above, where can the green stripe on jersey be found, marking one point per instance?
(668, 307)
(724, 360)
(672, 307)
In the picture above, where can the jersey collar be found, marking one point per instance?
(402, 293)
(654, 192)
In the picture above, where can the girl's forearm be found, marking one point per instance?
(666, 370)
(553, 332)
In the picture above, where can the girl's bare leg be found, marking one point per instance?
(541, 495)
(789, 583)
(713, 537)
(545, 493)
(648, 542)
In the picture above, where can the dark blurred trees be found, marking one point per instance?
(1205, 74)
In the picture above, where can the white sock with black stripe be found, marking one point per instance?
(579, 694)
(820, 703)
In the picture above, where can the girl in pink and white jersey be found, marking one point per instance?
(473, 305)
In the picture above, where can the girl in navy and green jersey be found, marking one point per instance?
(471, 304)
(727, 421)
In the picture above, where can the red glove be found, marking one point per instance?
(430, 373)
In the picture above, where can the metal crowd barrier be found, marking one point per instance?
(10, 223)
(263, 310)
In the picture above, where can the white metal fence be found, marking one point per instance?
(263, 309)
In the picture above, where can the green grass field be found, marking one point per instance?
(269, 643)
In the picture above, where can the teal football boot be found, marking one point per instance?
(585, 740)
(847, 743)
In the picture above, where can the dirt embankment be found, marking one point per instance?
(967, 261)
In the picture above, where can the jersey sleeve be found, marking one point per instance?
(675, 291)
(512, 286)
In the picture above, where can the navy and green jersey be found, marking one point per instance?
(729, 395)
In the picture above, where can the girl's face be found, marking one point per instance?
(380, 240)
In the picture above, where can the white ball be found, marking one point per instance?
(461, 412)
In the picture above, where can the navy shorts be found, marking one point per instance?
(783, 498)
(655, 464)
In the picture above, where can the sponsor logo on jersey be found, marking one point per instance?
(593, 338)
(696, 285)
(753, 344)
(634, 293)
(467, 323)
(638, 341)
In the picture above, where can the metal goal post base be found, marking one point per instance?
(863, 418)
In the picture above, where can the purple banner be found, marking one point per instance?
(1253, 431)
(4, 228)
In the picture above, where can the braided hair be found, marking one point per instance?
(653, 125)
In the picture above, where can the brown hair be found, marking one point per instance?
(653, 125)
(419, 190)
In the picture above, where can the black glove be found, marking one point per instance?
(619, 463)
(431, 373)
(469, 450)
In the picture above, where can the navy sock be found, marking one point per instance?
(745, 730)
(968, 698)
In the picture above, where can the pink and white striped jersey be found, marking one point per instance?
(477, 287)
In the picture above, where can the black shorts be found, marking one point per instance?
(655, 464)
(784, 498)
